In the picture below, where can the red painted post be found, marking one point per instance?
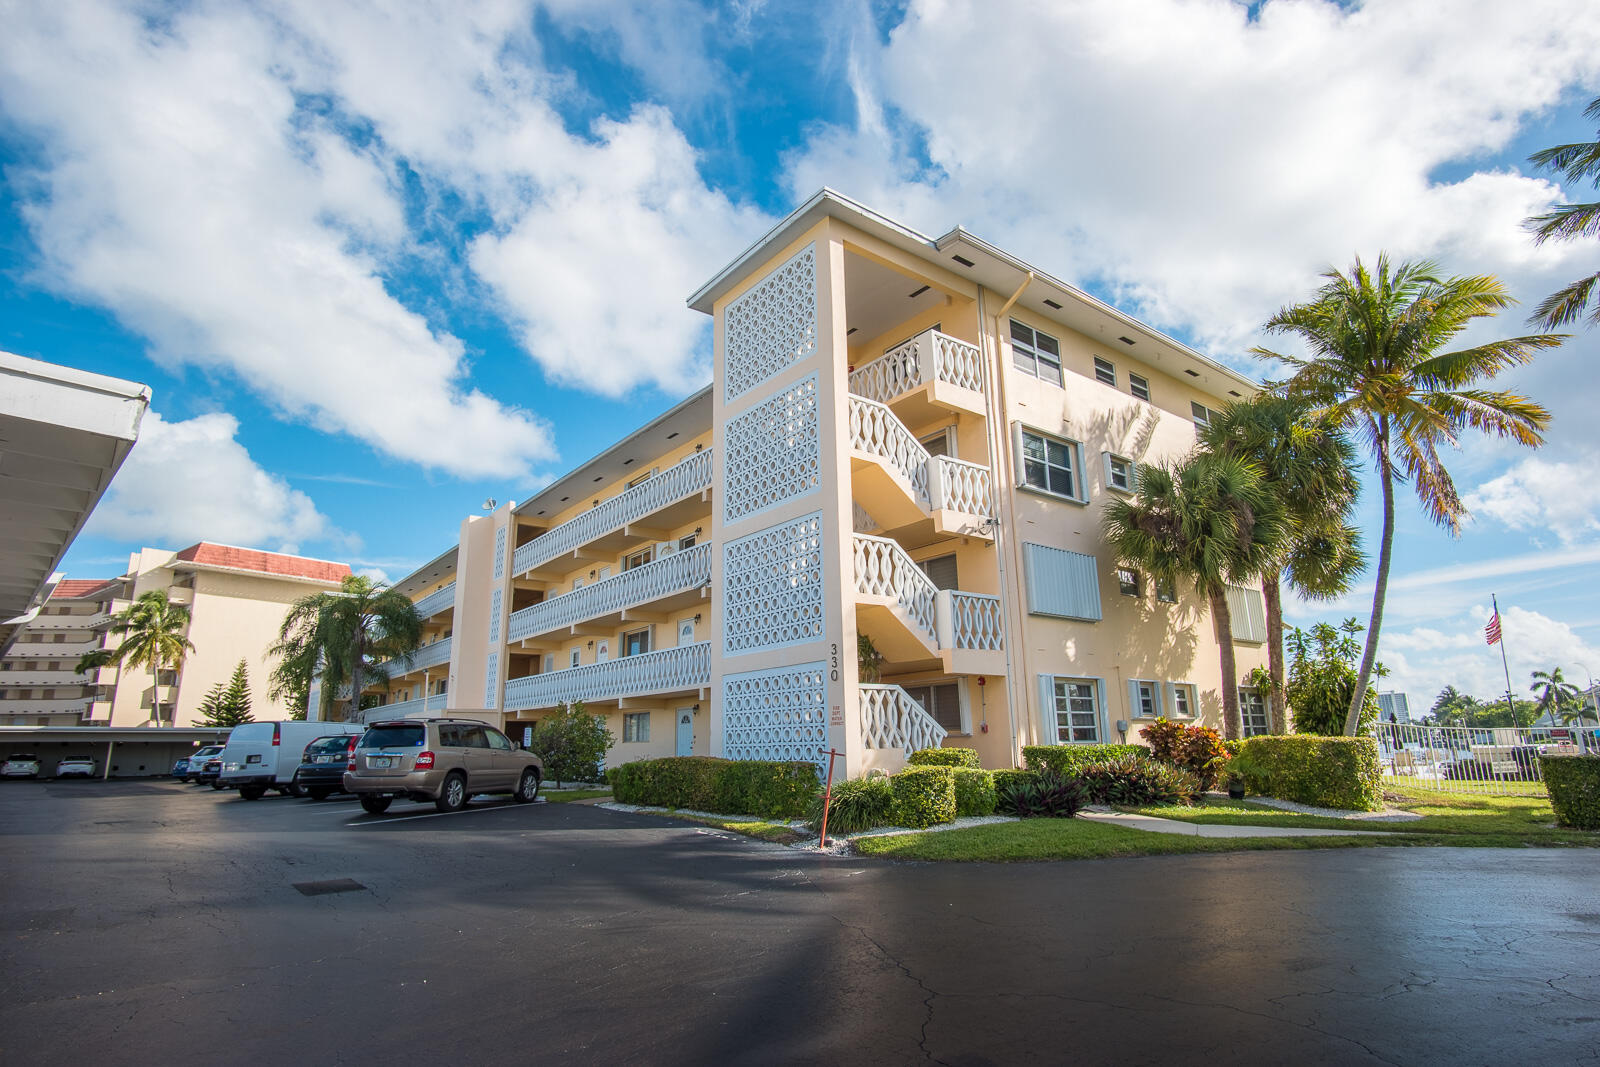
(827, 794)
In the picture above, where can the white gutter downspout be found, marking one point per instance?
(995, 450)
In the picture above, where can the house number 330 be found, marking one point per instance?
(833, 662)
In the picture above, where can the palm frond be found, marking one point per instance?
(1566, 305)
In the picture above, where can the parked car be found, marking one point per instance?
(210, 772)
(322, 767)
(197, 763)
(20, 765)
(442, 760)
(180, 769)
(75, 767)
(266, 755)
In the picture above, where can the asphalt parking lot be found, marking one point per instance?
(150, 921)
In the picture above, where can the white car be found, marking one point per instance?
(20, 765)
(75, 767)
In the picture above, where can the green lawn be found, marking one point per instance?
(567, 796)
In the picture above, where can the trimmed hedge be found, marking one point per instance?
(1328, 772)
(1011, 779)
(1068, 760)
(728, 787)
(924, 796)
(1573, 783)
(944, 757)
(974, 791)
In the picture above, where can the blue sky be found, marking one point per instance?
(377, 265)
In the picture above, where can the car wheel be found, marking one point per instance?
(528, 787)
(318, 793)
(453, 797)
(375, 805)
(252, 792)
(293, 789)
(216, 783)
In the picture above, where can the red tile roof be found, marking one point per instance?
(249, 559)
(78, 588)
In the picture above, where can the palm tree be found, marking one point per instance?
(1308, 464)
(1374, 366)
(1577, 163)
(349, 637)
(1208, 520)
(155, 637)
(1556, 694)
(1452, 706)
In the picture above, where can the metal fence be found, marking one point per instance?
(1469, 759)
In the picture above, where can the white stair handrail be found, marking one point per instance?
(884, 569)
(877, 431)
(890, 718)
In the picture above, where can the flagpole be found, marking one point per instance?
(1510, 706)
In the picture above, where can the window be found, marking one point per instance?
(638, 559)
(1119, 473)
(549, 663)
(1138, 386)
(1183, 702)
(1252, 713)
(1145, 703)
(941, 443)
(636, 726)
(1035, 353)
(1166, 591)
(1127, 582)
(636, 643)
(641, 479)
(576, 656)
(497, 739)
(1105, 371)
(942, 701)
(1047, 464)
(1202, 414)
(686, 542)
(941, 571)
(1076, 711)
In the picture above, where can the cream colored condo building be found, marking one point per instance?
(906, 438)
(236, 598)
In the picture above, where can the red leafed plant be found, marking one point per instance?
(1197, 749)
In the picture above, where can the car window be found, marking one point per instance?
(22, 756)
(398, 735)
(450, 736)
(472, 737)
(497, 739)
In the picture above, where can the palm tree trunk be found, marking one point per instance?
(155, 691)
(1352, 719)
(354, 715)
(1222, 622)
(1277, 712)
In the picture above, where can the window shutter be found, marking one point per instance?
(1061, 583)
(1105, 467)
(1169, 699)
(1134, 710)
(1102, 728)
(1047, 710)
(1016, 454)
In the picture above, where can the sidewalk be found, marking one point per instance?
(1172, 826)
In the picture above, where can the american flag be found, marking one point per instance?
(1491, 633)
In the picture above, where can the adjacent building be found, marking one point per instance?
(236, 598)
(877, 530)
(1394, 707)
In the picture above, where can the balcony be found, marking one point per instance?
(926, 377)
(434, 603)
(426, 656)
(924, 496)
(670, 498)
(971, 637)
(28, 679)
(910, 619)
(670, 583)
(685, 669)
(51, 706)
(71, 622)
(408, 709)
(53, 649)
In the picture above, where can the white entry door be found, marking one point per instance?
(685, 732)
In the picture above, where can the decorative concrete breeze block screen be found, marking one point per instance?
(773, 452)
(495, 602)
(771, 326)
(500, 553)
(491, 680)
(778, 714)
(772, 587)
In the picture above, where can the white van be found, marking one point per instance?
(265, 755)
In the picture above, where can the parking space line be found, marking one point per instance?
(382, 820)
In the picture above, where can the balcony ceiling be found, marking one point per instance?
(877, 297)
(63, 435)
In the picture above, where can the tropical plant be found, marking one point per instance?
(853, 806)
(1322, 674)
(1207, 520)
(155, 637)
(1557, 696)
(1451, 707)
(1576, 163)
(869, 661)
(1309, 464)
(571, 743)
(1133, 781)
(230, 706)
(1046, 794)
(1197, 749)
(1374, 367)
(349, 637)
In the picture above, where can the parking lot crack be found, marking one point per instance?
(930, 994)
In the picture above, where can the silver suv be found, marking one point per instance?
(442, 760)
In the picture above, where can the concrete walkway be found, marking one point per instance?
(1191, 829)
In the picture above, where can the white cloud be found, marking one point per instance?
(1544, 495)
(1422, 661)
(193, 481)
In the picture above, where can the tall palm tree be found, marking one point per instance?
(1207, 520)
(1576, 163)
(1374, 367)
(1308, 464)
(1556, 694)
(155, 637)
(1451, 706)
(349, 637)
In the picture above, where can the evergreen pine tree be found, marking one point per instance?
(210, 711)
(236, 699)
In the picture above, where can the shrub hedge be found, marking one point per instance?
(728, 787)
(1134, 781)
(858, 804)
(1329, 772)
(974, 791)
(944, 757)
(1574, 786)
(1011, 779)
(1029, 795)
(924, 796)
(1068, 760)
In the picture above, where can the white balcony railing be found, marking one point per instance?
(53, 650)
(957, 485)
(876, 430)
(890, 718)
(33, 679)
(969, 621)
(682, 479)
(437, 601)
(403, 709)
(671, 670)
(883, 569)
(51, 706)
(674, 573)
(928, 357)
(426, 656)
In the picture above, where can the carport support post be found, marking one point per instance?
(106, 774)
